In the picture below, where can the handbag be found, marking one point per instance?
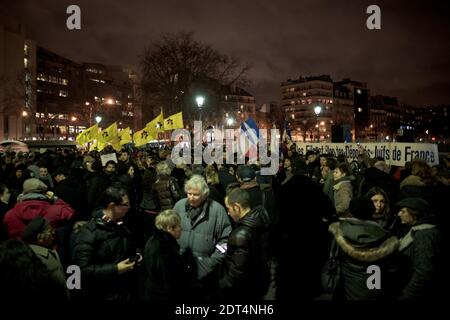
(331, 271)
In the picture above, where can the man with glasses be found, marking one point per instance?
(104, 250)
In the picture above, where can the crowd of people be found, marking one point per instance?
(145, 228)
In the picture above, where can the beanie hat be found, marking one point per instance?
(34, 185)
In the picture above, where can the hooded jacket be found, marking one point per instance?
(362, 244)
(31, 206)
(247, 274)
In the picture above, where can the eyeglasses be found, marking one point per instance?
(123, 204)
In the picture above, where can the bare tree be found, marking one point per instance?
(13, 93)
(176, 67)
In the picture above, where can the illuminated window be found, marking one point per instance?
(359, 109)
(304, 94)
(63, 93)
(25, 62)
(358, 91)
(25, 49)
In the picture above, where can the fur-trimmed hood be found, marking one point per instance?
(366, 251)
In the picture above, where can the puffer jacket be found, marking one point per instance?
(247, 270)
(99, 247)
(362, 244)
(167, 192)
(199, 237)
(33, 205)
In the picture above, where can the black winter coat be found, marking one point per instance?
(74, 195)
(247, 269)
(362, 244)
(99, 247)
(421, 250)
(302, 207)
(164, 271)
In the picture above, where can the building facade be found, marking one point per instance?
(17, 78)
(72, 96)
(311, 108)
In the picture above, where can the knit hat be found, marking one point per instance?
(34, 185)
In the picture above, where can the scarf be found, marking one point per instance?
(193, 213)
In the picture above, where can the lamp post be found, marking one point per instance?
(317, 111)
(200, 101)
(98, 119)
(230, 121)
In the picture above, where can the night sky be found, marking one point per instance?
(408, 58)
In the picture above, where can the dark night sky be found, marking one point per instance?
(408, 58)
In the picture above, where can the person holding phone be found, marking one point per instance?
(104, 250)
(246, 273)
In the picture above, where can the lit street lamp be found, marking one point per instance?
(98, 119)
(230, 121)
(317, 111)
(200, 101)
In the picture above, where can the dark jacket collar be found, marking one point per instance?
(256, 218)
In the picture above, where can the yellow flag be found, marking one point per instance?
(125, 136)
(156, 125)
(116, 144)
(93, 145)
(142, 137)
(87, 135)
(173, 122)
(101, 145)
(108, 134)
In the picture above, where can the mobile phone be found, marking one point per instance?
(222, 248)
(134, 258)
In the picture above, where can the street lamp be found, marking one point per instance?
(317, 111)
(200, 101)
(230, 121)
(98, 119)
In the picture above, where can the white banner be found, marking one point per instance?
(394, 153)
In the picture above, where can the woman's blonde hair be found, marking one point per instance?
(211, 175)
(166, 219)
(163, 168)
